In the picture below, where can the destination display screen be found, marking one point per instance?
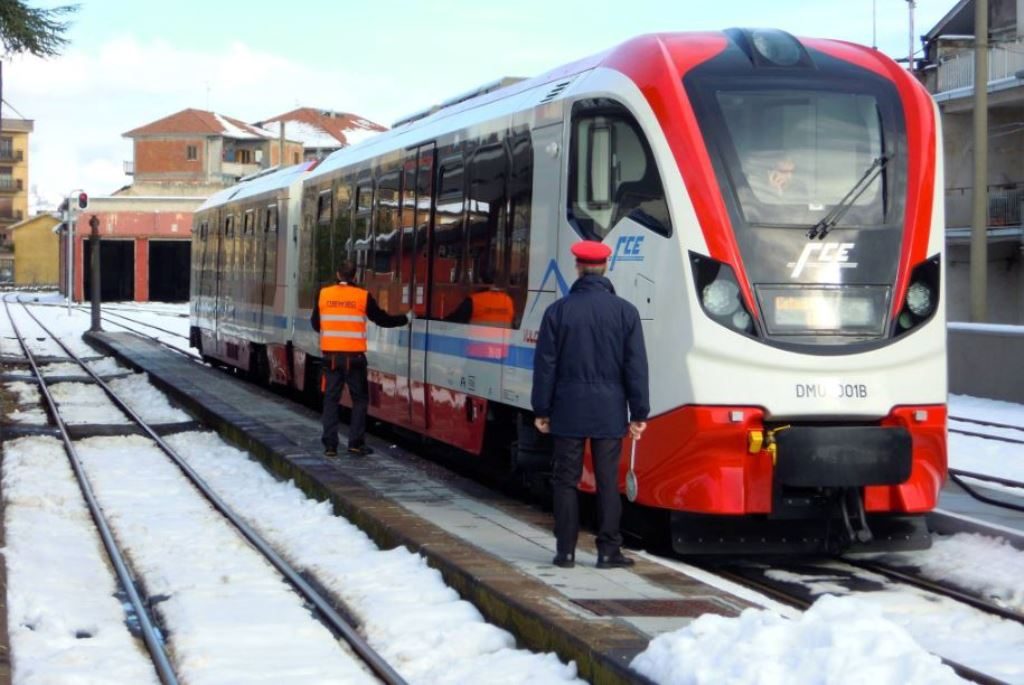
(853, 310)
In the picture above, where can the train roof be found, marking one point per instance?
(258, 184)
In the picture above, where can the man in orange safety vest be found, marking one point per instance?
(340, 317)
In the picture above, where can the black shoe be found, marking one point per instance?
(564, 560)
(616, 560)
(360, 451)
(331, 452)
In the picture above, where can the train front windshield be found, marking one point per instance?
(795, 155)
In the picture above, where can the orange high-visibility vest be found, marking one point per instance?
(493, 308)
(343, 319)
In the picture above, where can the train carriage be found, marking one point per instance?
(770, 205)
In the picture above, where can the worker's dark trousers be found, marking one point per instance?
(568, 468)
(341, 369)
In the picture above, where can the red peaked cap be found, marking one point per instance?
(591, 252)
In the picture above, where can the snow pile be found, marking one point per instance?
(408, 614)
(29, 401)
(146, 401)
(65, 627)
(81, 403)
(838, 641)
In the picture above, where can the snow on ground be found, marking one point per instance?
(65, 624)
(28, 410)
(955, 559)
(942, 626)
(990, 457)
(229, 615)
(409, 615)
(106, 366)
(82, 403)
(146, 401)
(838, 641)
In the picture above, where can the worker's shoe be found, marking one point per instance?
(331, 452)
(614, 560)
(563, 560)
(360, 451)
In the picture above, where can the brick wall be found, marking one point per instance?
(169, 157)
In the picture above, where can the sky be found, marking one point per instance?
(128, 64)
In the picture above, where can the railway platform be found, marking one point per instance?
(495, 551)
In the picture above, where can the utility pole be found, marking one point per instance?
(979, 215)
(910, 37)
(80, 199)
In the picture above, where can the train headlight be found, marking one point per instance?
(741, 320)
(922, 298)
(721, 297)
(919, 299)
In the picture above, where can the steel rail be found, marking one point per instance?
(106, 313)
(937, 588)
(987, 436)
(955, 476)
(331, 617)
(150, 634)
(981, 422)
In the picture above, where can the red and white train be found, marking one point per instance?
(771, 206)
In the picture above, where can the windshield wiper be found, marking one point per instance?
(829, 221)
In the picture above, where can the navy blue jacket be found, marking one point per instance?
(590, 363)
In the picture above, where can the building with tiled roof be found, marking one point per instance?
(322, 131)
(195, 152)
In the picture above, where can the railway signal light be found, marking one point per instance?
(83, 200)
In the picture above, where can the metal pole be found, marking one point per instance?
(71, 254)
(94, 247)
(979, 217)
(910, 37)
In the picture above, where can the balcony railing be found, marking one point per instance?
(1005, 205)
(11, 155)
(10, 185)
(958, 71)
(10, 217)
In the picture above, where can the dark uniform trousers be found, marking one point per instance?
(341, 369)
(566, 473)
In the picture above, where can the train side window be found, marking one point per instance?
(518, 236)
(341, 239)
(612, 172)
(449, 282)
(487, 200)
(382, 271)
(362, 235)
(322, 239)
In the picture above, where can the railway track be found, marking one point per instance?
(334, 618)
(988, 424)
(778, 582)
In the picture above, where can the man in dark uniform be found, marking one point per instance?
(590, 364)
(340, 317)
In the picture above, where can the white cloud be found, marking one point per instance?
(83, 101)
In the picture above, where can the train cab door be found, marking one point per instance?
(417, 221)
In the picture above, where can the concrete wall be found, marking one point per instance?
(1005, 283)
(985, 361)
(35, 251)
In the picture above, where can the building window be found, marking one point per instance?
(6, 148)
(295, 158)
(192, 153)
(243, 156)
